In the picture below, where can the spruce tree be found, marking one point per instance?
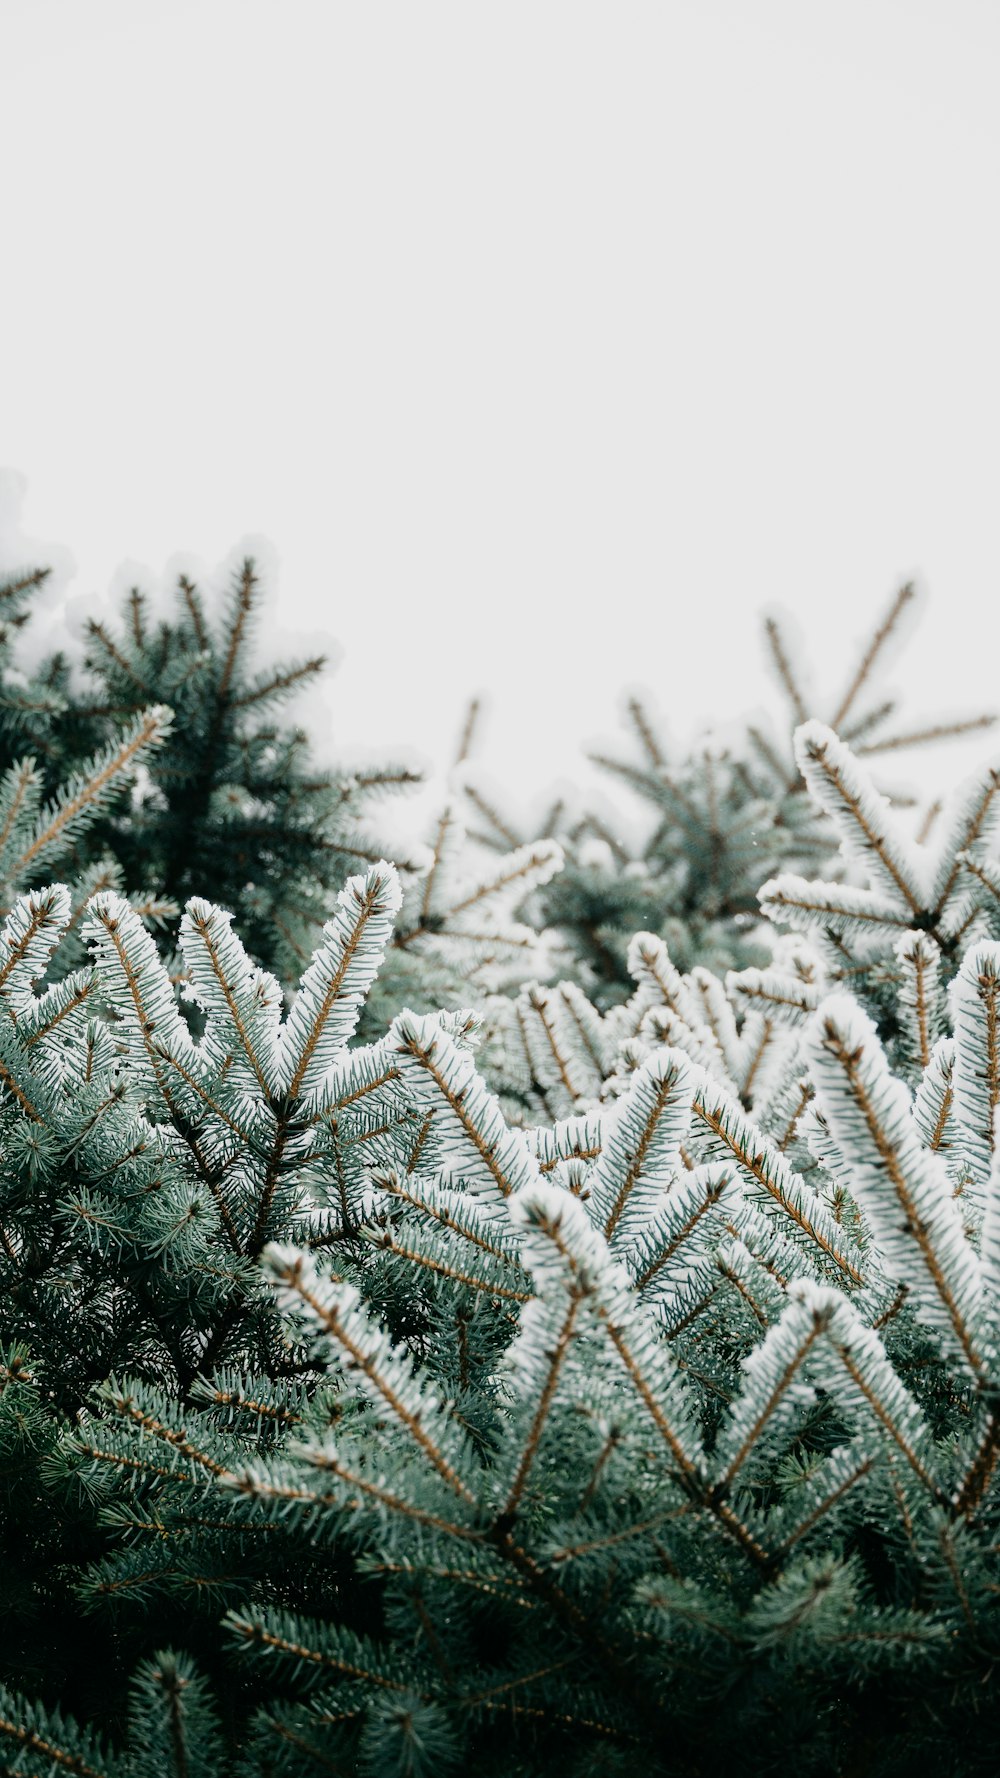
(347, 1425)
(545, 1380)
(717, 818)
(233, 806)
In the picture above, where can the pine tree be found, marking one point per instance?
(718, 819)
(896, 920)
(447, 1350)
(460, 935)
(232, 806)
(346, 1425)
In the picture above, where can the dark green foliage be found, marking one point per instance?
(601, 1379)
(232, 805)
(345, 1426)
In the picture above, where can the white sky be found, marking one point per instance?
(546, 342)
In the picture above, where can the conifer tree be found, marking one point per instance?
(718, 819)
(56, 799)
(233, 806)
(346, 1425)
(444, 1351)
(460, 935)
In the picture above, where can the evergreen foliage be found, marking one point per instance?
(231, 806)
(459, 934)
(182, 780)
(717, 819)
(551, 1379)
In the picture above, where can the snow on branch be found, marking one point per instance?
(476, 1143)
(869, 834)
(901, 1187)
(641, 1149)
(326, 1009)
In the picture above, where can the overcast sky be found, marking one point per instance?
(546, 342)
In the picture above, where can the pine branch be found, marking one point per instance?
(244, 594)
(841, 788)
(898, 1184)
(779, 655)
(885, 629)
(83, 797)
(938, 731)
(641, 1149)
